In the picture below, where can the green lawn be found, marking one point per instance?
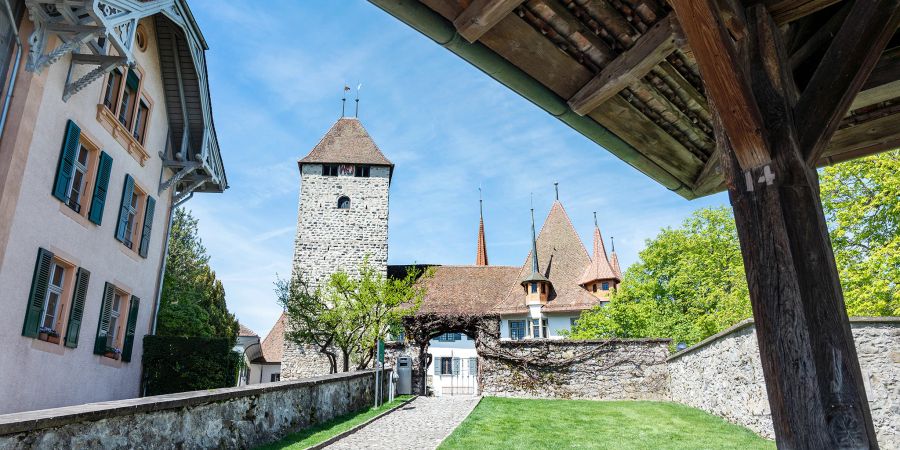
(504, 423)
(321, 433)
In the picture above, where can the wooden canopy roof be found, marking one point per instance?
(621, 73)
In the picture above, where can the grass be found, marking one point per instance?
(504, 423)
(321, 433)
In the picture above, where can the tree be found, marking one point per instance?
(349, 314)
(861, 199)
(193, 299)
(689, 282)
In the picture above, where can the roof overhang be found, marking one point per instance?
(622, 75)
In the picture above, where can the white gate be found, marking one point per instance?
(455, 375)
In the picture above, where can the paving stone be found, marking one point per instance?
(421, 424)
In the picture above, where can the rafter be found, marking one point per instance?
(725, 79)
(843, 70)
(481, 16)
(629, 67)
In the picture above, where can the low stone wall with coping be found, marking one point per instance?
(723, 376)
(618, 369)
(242, 417)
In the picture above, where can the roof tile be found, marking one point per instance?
(347, 142)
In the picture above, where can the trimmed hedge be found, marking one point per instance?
(179, 364)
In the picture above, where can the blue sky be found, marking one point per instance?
(276, 75)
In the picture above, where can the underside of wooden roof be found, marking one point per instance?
(621, 73)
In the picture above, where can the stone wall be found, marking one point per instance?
(303, 361)
(242, 417)
(723, 376)
(633, 369)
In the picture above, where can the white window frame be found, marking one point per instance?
(132, 218)
(115, 313)
(77, 166)
(53, 289)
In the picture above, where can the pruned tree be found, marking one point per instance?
(348, 315)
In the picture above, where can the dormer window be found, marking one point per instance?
(343, 202)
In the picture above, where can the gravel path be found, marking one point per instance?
(420, 424)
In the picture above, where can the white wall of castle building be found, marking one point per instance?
(465, 381)
(37, 374)
(556, 324)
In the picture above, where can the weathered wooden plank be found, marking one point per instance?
(784, 11)
(886, 70)
(725, 79)
(481, 15)
(813, 380)
(519, 43)
(850, 58)
(874, 134)
(629, 67)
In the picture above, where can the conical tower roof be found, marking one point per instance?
(614, 261)
(599, 267)
(481, 259)
(562, 259)
(347, 142)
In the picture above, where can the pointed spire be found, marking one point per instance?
(481, 259)
(614, 259)
(534, 255)
(600, 267)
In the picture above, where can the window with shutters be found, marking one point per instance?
(135, 217)
(125, 110)
(446, 366)
(56, 301)
(82, 174)
(117, 324)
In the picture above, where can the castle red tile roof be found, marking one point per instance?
(273, 344)
(599, 268)
(466, 289)
(347, 142)
(244, 331)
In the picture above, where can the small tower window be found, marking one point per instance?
(543, 288)
(362, 171)
(605, 286)
(533, 287)
(594, 287)
(330, 170)
(344, 202)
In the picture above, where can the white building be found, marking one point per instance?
(109, 127)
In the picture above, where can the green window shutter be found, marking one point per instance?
(133, 81)
(66, 161)
(148, 226)
(127, 192)
(39, 283)
(109, 291)
(455, 366)
(101, 186)
(73, 329)
(130, 327)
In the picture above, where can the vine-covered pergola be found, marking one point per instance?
(704, 95)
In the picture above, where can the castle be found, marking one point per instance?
(343, 219)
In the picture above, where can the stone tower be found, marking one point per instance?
(342, 219)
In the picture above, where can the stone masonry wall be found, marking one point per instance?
(611, 370)
(723, 376)
(330, 239)
(243, 417)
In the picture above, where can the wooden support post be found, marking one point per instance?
(629, 67)
(813, 379)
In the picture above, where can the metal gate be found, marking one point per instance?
(456, 376)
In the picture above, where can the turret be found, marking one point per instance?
(600, 277)
(536, 286)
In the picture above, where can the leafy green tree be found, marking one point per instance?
(861, 199)
(346, 317)
(193, 299)
(689, 282)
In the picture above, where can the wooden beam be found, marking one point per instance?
(725, 78)
(850, 58)
(813, 379)
(784, 11)
(629, 67)
(481, 16)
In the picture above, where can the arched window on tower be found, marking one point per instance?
(344, 202)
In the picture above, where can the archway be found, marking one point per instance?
(420, 329)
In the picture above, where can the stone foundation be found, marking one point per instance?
(723, 376)
(243, 417)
